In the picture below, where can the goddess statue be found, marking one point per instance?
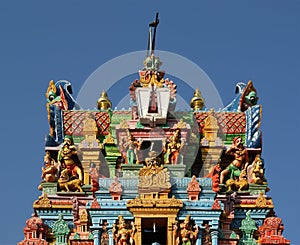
(185, 233)
(123, 234)
(172, 147)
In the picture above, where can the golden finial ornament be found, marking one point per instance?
(197, 102)
(103, 102)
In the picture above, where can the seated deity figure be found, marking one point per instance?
(123, 234)
(256, 172)
(172, 148)
(240, 162)
(68, 159)
(49, 170)
(186, 234)
(153, 164)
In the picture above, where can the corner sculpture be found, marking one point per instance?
(71, 176)
(49, 170)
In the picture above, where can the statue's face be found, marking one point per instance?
(67, 141)
(47, 163)
(186, 224)
(123, 224)
(259, 163)
(238, 142)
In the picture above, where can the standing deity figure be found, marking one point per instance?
(49, 170)
(172, 147)
(123, 233)
(68, 159)
(240, 162)
(133, 146)
(186, 233)
(94, 175)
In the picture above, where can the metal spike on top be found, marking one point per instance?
(151, 43)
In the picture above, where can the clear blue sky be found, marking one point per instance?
(230, 40)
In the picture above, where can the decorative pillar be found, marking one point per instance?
(110, 237)
(61, 231)
(214, 237)
(97, 236)
(211, 144)
(90, 147)
(199, 240)
(170, 235)
(138, 226)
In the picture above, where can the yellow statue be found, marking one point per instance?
(257, 172)
(69, 162)
(172, 147)
(123, 234)
(238, 184)
(67, 184)
(153, 177)
(49, 170)
(186, 233)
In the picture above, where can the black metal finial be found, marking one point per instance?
(154, 24)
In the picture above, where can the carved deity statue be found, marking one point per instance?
(72, 169)
(186, 233)
(172, 147)
(49, 170)
(123, 233)
(132, 145)
(94, 174)
(67, 183)
(256, 172)
(153, 177)
(240, 162)
(69, 159)
(153, 164)
(238, 184)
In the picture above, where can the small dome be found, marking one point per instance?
(103, 102)
(197, 102)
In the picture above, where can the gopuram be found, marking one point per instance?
(152, 174)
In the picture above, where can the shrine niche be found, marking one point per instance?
(193, 189)
(153, 201)
(34, 232)
(271, 232)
